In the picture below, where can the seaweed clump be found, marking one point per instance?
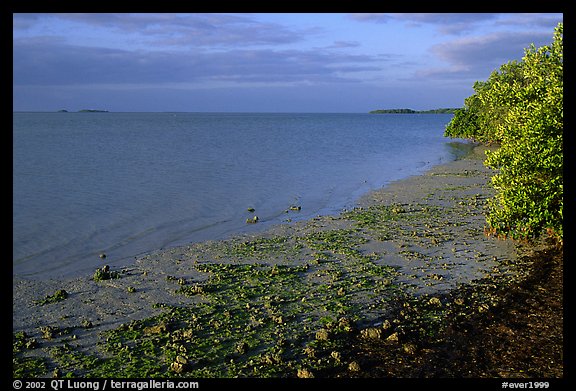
(60, 295)
(104, 273)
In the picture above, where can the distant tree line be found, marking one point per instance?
(520, 109)
(85, 111)
(410, 111)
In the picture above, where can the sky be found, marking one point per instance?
(263, 62)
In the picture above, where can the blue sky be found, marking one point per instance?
(263, 62)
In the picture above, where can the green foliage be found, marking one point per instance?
(481, 115)
(464, 124)
(521, 108)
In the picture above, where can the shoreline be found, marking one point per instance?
(283, 302)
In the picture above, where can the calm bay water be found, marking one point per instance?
(128, 183)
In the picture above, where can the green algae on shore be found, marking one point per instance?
(291, 301)
(60, 295)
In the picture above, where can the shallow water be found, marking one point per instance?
(128, 183)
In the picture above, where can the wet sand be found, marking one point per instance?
(421, 236)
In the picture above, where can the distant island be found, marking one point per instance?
(84, 111)
(410, 111)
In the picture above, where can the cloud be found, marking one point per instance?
(538, 21)
(49, 61)
(446, 23)
(475, 57)
(24, 21)
(344, 45)
(490, 39)
(372, 17)
(188, 30)
(175, 51)
(460, 23)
